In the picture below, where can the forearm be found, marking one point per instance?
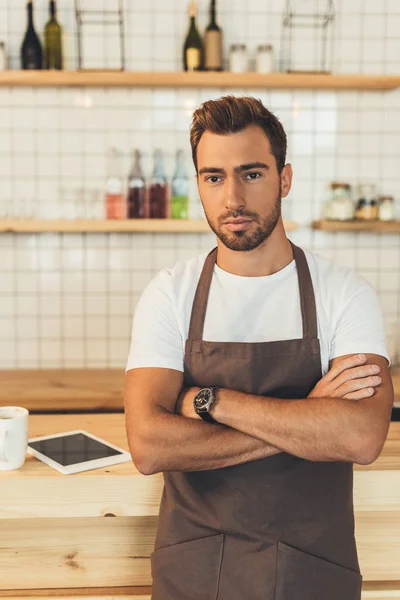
(177, 443)
(318, 429)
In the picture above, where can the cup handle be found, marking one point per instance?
(3, 445)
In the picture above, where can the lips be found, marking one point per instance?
(237, 221)
(238, 224)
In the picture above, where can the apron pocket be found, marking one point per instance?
(188, 571)
(301, 576)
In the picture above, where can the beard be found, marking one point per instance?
(244, 241)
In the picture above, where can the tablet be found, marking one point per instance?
(76, 451)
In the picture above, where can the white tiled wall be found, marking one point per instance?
(66, 300)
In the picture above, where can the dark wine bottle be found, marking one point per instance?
(193, 47)
(53, 41)
(137, 208)
(213, 43)
(158, 189)
(31, 49)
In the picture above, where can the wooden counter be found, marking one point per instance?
(78, 390)
(55, 534)
(49, 390)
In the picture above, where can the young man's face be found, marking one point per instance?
(238, 181)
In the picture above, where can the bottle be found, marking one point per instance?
(180, 189)
(193, 47)
(31, 49)
(115, 201)
(52, 41)
(136, 189)
(158, 190)
(213, 43)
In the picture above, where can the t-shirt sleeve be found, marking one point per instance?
(156, 340)
(359, 326)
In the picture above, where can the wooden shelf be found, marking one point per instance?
(111, 225)
(198, 80)
(369, 226)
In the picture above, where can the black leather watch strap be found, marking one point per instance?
(205, 415)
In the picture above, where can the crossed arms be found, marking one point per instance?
(345, 418)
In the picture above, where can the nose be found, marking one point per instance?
(234, 198)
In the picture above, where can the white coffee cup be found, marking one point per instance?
(13, 437)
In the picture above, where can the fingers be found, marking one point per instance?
(348, 363)
(357, 374)
(348, 376)
(360, 394)
(354, 385)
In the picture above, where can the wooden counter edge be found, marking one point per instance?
(369, 589)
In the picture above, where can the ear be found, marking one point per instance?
(286, 179)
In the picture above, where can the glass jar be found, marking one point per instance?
(367, 206)
(265, 59)
(386, 208)
(341, 206)
(238, 58)
(3, 57)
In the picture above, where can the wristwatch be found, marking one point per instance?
(203, 401)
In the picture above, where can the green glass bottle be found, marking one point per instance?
(193, 47)
(53, 58)
(180, 189)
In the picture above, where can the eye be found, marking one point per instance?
(256, 175)
(212, 178)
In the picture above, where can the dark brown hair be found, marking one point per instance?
(231, 114)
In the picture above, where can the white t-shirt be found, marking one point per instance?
(255, 309)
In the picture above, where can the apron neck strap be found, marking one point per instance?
(200, 301)
(307, 297)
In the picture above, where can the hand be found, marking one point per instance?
(349, 379)
(184, 403)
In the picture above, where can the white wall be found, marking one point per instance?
(67, 300)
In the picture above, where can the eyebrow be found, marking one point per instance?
(239, 169)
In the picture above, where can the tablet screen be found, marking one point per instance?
(73, 449)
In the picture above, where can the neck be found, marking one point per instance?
(274, 254)
(30, 14)
(212, 12)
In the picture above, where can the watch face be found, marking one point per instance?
(203, 398)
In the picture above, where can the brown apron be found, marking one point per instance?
(278, 528)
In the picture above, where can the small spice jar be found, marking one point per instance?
(265, 59)
(386, 208)
(341, 207)
(367, 206)
(238, 58)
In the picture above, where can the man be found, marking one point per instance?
(245, 387)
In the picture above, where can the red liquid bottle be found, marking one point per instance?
(136, 189)
(158, 191)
